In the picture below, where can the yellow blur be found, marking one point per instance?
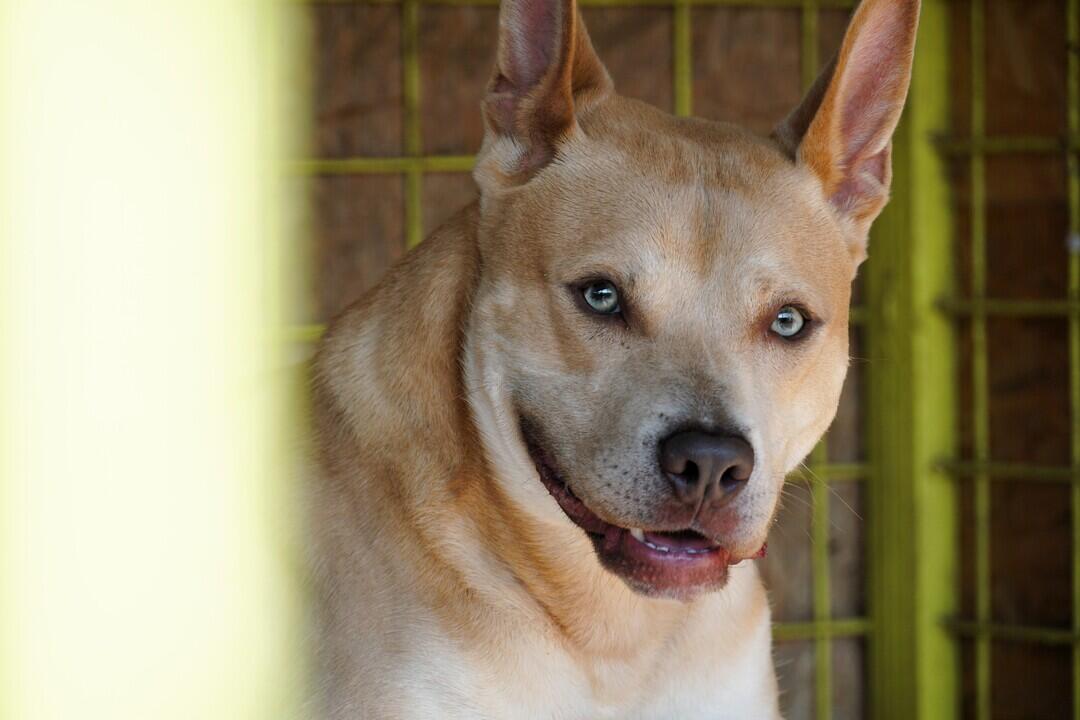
(147, 523)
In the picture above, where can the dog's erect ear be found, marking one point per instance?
(843, 129)
(546, 71)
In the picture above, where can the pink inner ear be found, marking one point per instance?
(874, 88)
(865, 179)
(532, 39)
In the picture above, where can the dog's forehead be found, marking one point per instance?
(705, 199)
(679, 149)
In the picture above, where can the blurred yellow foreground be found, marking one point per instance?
(147, 529)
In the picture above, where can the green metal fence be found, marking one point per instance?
(977, 310)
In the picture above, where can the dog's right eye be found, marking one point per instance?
(602, 297)
(789, 322)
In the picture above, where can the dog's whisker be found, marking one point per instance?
(786, 493)
(832, 491)
(836, 493)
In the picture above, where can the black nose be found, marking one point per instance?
(706, 468)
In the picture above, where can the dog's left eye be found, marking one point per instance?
(789, 322)
(602, 297)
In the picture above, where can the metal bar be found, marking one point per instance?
(461, 163)
(1011, 471)
(410, 86)
(979, 364)
(819, 531)
(682, 60)
(819, 458)
(838, 4)
(809, 63)
(984, 307)
(912, 529)
(848, 627)
(384, 165)
(1015, 633)
(1072, 24)
(1005, 145)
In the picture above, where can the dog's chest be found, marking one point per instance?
(558, 690)
(701, 674)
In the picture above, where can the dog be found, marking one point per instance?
(551, 441)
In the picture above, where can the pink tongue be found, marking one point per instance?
(680, 540)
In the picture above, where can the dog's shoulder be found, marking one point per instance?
(392, 356)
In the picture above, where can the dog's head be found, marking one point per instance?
(660, 330)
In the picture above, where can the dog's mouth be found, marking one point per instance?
(666, 563)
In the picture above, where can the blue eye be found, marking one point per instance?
(602, 297)
(789, 322)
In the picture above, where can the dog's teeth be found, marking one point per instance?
(638, 534)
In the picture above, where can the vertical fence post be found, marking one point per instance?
(1072, 93)
(980, 393)
(682, 60)
(410, 64)
(1072, 33)
(818, 480)
(913, 522)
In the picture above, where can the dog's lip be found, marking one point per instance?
(661, 560)
(681, 540)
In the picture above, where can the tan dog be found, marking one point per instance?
(550, 436)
